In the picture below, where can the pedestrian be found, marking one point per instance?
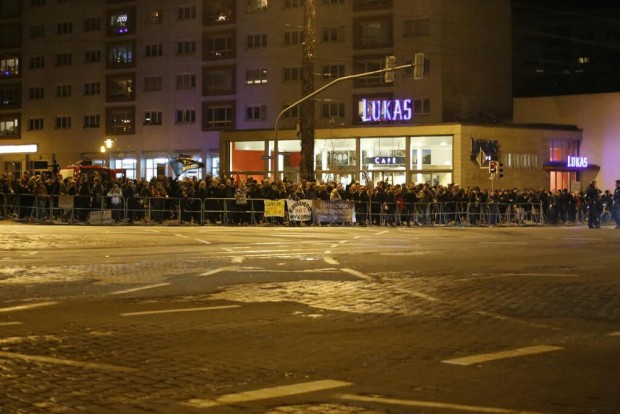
(616, 205)
(593, 199)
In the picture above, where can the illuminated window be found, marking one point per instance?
(120, 88)
(119, 23)
(152, 118)
(9, 66)
(220, 46)
(153, 16)
(120, 121)
(9, 126)
(255, 76)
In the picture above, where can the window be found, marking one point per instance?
(152, 118)
(64, 59)
(37, 62)
(120, 121)
(255, 76)
(257, 5)
(35, 124)
(120, 55)
(92, 56)
(153, 83)
(186, 12)
(333, 34)
(187, 47)
(62, 122)
(153, 16)
(332, 110)
(256, 40)
(120, 88)
(421, 106)
(293, 38)
(9, 126)
(186, 81)
(37, 31)
(10, 96)
(218, 115)
(92, 88)
(153, 50)
(292, 113)
(219, 11)
(36, 93)
(256, 113)
(92, 121)
(220, 46)
(64, 28)
(185, 116)
(417, 27)
(371, 4)
(63, 91)
(92, 24)
(120, 23)
(373, 32)
(9, 66)
(291, 74)
(369, 65)
(219, 81)
(333, 71)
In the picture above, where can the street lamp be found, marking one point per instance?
(107, 145)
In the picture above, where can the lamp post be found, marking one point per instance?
(107, 145)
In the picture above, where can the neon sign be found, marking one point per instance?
(386, 110)
(577, 162)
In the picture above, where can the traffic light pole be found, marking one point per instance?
(316, 92)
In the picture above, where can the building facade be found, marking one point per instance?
(160, 78)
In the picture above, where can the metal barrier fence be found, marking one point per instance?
(115, 209)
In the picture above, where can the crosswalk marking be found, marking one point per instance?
(26, 307)
(266, 393)
(207, 308)
(60, 361)
(512, 353)
(137, 289)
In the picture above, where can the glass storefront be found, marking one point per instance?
(395, 160)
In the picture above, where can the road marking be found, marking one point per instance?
(10, 323)
(614, 334)
(356, 273)
(208, 308)
(26, 307)
(266, 393)
(203, 241)
(429, 404)
(137, 289)
(59, 361)
(515, 320)
(540, 274)
(331, 260)
(218, 270)
(237, 259)
(181, 236)
(380, 233)
(512, 353)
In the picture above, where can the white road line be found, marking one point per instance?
(380, 233)
(218, 270)
(356, 274)
(614, 334)
(181, 236)
(59, 361)
(26, 307)
(512, 353)
(207, 308)
(137, 289)
(10, 323)
(266, 393)
(429, 404)
(238, 259)
(540, 274)
(203, 241)
(331, 260)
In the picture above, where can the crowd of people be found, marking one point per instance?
(228, 200)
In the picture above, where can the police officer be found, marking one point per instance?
(593, 199)
(617, 204)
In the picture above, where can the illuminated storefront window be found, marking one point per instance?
(431, 160)
(335, 159)
(130, 165)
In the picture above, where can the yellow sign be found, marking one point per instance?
(274, 208)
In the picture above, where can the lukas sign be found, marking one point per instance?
(386, 110)
(577, 162)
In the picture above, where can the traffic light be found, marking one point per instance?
(493, 167)
(418, 66)
(500, 170)
(390, 63)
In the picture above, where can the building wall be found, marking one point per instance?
(596, 115)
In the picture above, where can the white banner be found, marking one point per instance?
(300, 210)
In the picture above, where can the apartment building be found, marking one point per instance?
(158, 78)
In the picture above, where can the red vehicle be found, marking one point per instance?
(107, 174)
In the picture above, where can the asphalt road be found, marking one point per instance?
(159, 319)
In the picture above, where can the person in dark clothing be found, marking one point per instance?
(616, 206)
(593, 199)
